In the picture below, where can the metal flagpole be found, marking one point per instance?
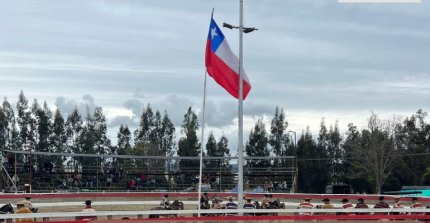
(201, 145)
(240, 146)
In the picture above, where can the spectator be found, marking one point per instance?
(15, 179)
(165, 203)
(347, 205)
(22, 209)
(266, 201)
(397, 204)
(27, 203)
(361, 204)
(381, 204)
(327, 205)
(88, 209)
(416, 204)
(231, 205)
(306, 205)
(249, 204)
(204, 201)
(109, 180)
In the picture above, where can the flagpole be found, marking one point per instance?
(201, 145)
(240, 146)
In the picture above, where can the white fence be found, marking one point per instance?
(140, 214)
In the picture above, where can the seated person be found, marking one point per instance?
(381, 204)
(204, 201)
(361, 204)
(88, 209)
(327, 205)
(231, 205)
(22, 209)
(306, 205)
(248, 204)
(165, 203)
(265, 203)
(217, 204)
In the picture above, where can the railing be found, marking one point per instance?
(283, 214)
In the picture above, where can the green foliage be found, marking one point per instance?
(10, 142)
(218, 149)
(145, 132)
(372, 151)
(58, 139)
(167, 135)
(426, 177)
(3, 129)
(312, 164)
(385, 155)
(257, 146)
(24, 122)
(413, 140)
(278, 139)
(212, 151)
(330, 142)
(188, 145)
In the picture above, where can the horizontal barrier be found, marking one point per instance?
(84, 195)
(148, 203)
(317, 213)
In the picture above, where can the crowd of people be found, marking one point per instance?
(26, 206)
(361, 204)
(267, 203)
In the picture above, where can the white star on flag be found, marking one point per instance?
(213, 33)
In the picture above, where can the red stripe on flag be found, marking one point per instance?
(224, 75)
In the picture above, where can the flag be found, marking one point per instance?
(221, 63)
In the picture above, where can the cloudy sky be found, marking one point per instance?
(314, 58)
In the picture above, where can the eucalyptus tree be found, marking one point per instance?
(3, 129)
(278, 138)
(12, 140)
(257, 146)
(74, 128)
(189, 146)
(312, 176)
(58, 139)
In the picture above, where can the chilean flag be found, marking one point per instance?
(222, 65)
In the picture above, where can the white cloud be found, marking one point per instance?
(313, 58)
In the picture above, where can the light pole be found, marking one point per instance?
(240, 135)
(295, 163)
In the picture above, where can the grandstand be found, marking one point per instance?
(134, 173)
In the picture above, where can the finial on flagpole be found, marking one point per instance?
(213, 9)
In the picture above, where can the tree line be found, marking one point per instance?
(387, 154)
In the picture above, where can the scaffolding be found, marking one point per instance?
(92, 172)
